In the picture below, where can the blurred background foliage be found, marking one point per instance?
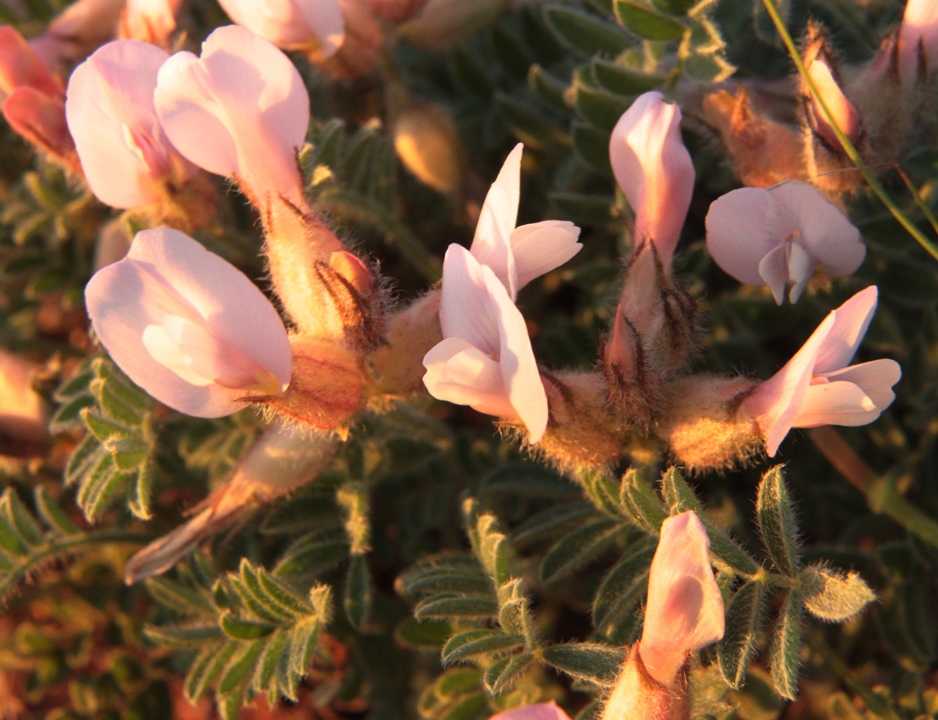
(437, 571)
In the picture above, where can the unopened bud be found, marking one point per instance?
(443, 23)
(396, 11)
(824, 153)
(320, 300)
(427, 142)
(23, 418)
(701, 423)
(660, 310)
(40, 119)
(762, 150)
(684, 614)
(634, 385)
(350, 268)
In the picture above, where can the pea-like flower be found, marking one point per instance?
(778, 236)
(485, 359)
(654, 170)
(188, 327)
(683, 615)
(127, 158)
(818, 386)
(684, 612)
(240, 110)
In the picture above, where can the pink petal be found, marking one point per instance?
(543, 711)
(800, 269)
(462, 374)
(519, 368)
(843, 112)
(777, 402)
(654, 169)
(541, 247)
(827, 234)
(291, 24)
(241, 109)
(40, 119)
(491, 244)
(853, 396)
(743, 226)
(773, 269)
(919, 28)
(476, 308)
(685, 608)
(216, 315)
(466, 310)
(851, 321)
(124, 152)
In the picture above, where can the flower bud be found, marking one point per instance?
(280, 461)
(427, 142)
(661, 312)
(654, 170)
(918, 40)
(683, 615)
(824, 154)
(32, 99)
(23, 418)
(443, 23)
(762, 151)
(635, 386)
(327, 292)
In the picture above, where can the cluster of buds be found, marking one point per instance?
(880, 108)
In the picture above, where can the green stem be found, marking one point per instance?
(880, 491)
(930, 247)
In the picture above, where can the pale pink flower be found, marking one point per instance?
(684, 612)
(778, 236)
(654, 170)
(918, 36)
(292, 24)
(241, 110)
(127, 157)
(188, 327)
(485, 359)
(517, 255)
(818, 386)
(541, 711)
